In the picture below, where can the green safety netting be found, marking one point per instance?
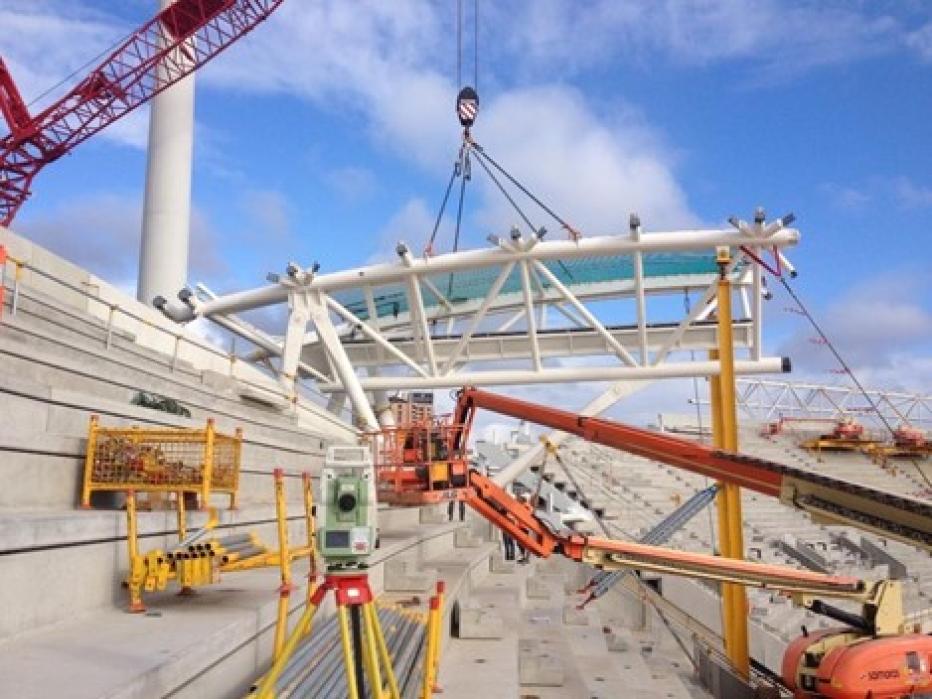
(469, 285)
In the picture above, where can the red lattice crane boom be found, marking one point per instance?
(171, 46)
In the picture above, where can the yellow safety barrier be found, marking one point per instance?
(162, 460)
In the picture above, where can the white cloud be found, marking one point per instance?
(100, 232)
(352, 184)
(592, 170)
(911, 195)
(920, 41)
(772, 40)
(268, 212)
(881, 327)
(44, 41)
(900, 191)
(411, 224)
(846, 198)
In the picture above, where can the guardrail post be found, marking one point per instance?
(113, 309)
(17, 275)
(175, 352)
(2, 277)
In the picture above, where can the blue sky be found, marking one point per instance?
(328, 134)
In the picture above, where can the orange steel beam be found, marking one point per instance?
(683, 453)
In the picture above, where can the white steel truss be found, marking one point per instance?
(523, 311)
(768, 399)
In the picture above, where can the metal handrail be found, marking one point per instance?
(115, 308)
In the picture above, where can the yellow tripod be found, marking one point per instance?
(365, 653)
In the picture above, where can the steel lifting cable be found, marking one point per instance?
(844, 365)
(466, 175)
(429, 248)
(480, 151)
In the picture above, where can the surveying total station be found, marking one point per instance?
(346, 514)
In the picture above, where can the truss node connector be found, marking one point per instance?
(298, 275)
(179, 314)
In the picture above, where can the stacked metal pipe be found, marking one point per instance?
(316, 669)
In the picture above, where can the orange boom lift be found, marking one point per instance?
(872, 655)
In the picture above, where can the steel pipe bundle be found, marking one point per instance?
(316, 669)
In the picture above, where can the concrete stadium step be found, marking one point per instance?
(63, 566)
(45, 553)
(96, 388)
(39, 313)
(42, 442)
(213, 644)
(52, 363)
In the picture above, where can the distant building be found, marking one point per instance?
(417, 406)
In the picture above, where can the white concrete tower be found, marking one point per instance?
(166, 216)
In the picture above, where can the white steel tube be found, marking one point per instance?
(529, 314)
(767, 365)
(479, 315)
(166, 215)
(388, 273)
(587, 315)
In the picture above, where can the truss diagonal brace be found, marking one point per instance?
(616, 346)
(320, 316)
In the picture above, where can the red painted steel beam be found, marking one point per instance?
(169, 47)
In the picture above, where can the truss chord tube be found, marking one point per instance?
(388, 273)
(506, 377)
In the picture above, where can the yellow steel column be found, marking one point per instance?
(728, 500)
(182, 518)
(310, 528)
(284, 562)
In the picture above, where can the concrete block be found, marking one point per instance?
(498, 564)
(403, 576)
(573, 616)
(617, 643)
(475, 621)
(432, 514)
(538, 665)
(537, 588)
(466, 539)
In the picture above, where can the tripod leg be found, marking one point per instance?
(370, 654)
(352, 691)
(266, 689)
(379, 638)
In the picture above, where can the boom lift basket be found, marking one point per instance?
(422, 463)
(162, 460)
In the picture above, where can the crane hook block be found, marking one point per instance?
(467, 106)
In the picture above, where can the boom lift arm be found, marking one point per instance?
(827, 499)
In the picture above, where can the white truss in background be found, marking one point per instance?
(769, 400)
(446, 343)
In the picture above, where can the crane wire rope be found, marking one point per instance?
(80, 68)
(846, 367)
